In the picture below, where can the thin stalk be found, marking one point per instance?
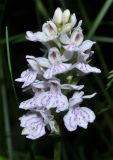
(99, 18)
(5, 111)
(9, 63)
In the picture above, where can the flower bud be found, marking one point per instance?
(67, 28)
(66, 15)
(58, 16)
(73, 20)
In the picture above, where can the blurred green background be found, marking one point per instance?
(95, 143)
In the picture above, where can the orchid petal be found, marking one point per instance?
(46, 99)
(40, 84)
(33, 124)
(61, 102)
(77, 36)
(89, 96)
(28, 76)
(87, 44)
(56, 69)
(44, 62)
(70, 121)
(90, 116)
(54, 55)
(65, 39)
(38, 36)
(71, 48)
(78, 116)
(86, 68)
(49, 28)
(72, 87)
(76, 98)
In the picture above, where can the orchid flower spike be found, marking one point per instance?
(54, 78)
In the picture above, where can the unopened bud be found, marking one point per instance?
(66, 15)
(67, 28)
(58, 16)
(73, 20)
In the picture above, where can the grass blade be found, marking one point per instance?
(9, 63)
(99, 17)
(103, 39)
(5, 110)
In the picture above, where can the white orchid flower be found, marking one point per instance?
(33, 124)
(54, 64)
(32, 104)
(78, 116)
(53, 98)
(29, 76)
(49, 32)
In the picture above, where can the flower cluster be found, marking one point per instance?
(54, 78)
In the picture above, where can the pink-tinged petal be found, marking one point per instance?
(61, 102)
(54, 56)
(72, 87)
(71, 48)
(65, 39)
(90, 115)
(86, 68)
(49, 29)
(28, 77)
(70, 121)
(87, 44)
(33, 124)
(38, 36)
(56, 69)
(77, 36)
